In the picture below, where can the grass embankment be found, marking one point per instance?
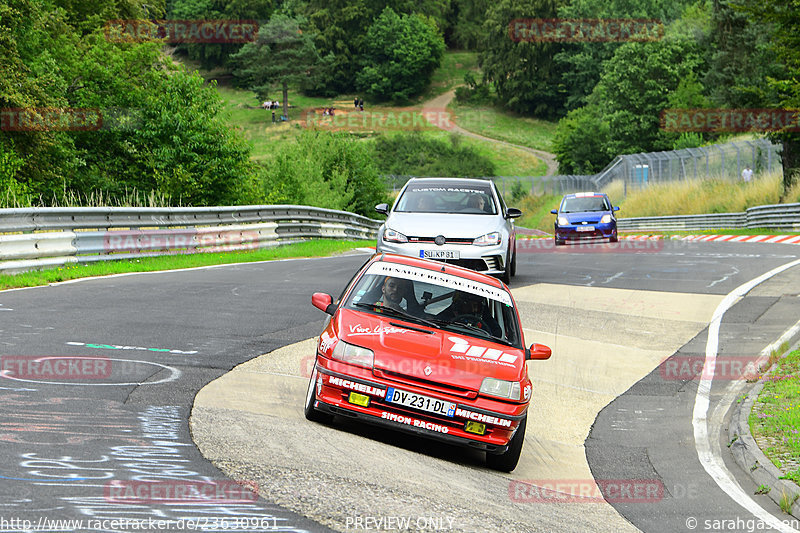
(775, 418)
(313, 248)
(267, 138)
(505, 126)
(677, 198)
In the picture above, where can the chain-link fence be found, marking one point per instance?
(636, 171)
(721, 161)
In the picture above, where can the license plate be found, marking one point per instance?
(418, 401)
(440, 254)
(584, 228)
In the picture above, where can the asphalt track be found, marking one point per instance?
(612, 317)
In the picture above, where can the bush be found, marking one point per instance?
(325, 169)
(416, 154)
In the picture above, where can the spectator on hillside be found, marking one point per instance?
(747, 174)
(355, 102)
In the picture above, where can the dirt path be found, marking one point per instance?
(440, 102)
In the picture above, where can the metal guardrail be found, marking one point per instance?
(779, 216)
(33, 238)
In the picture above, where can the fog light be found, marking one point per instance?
(359, 399)
(475, 427)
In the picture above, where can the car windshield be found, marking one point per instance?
(474, 309)
(468, 199)
(586, 203)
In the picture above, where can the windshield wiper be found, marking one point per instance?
(396, 313)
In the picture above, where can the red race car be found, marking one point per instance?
(428, 348)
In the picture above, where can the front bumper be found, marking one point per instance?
(600, 231)
(335, 382)
(484, 259)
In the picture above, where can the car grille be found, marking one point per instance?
(448, 240)
(426, 384)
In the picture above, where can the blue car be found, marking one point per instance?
(585, 215)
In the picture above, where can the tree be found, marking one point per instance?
(341, 27)
(282, 54)
(580, 141)
(635, 88)
(213, 55)
(400, 56)
(524, 74)
(779, 20)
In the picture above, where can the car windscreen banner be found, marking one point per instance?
(440, 278)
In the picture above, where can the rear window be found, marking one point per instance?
(472, 200)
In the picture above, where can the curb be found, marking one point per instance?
(749, 456)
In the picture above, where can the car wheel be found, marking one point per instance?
(505, 277)
(613, 238)
(507, 461)
(559, 242)
(311, 396)
(514, 262)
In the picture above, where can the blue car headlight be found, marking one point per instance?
(606, 219)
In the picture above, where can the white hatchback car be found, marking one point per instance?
(459, 221)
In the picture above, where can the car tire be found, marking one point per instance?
(559, 242)
(514, 263)
(613, 238)
(507, 461)
(311, 397)
(505, 277)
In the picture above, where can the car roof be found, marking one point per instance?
(584, 194)
(451, 181)
(438, 266)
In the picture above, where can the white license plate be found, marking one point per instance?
(584, 228)
(418, 401)
(440, 254)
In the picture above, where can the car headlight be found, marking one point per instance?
(606, 219)
(490, 239)
(500, 388)
(355, 355)
(391, 235)
(562, 221)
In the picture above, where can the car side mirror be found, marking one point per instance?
(513, 212)
(323, 302)
(554, 211)
(538, 352)
(616, 208)
(382, 209)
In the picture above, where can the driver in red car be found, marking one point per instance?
(472, 309)
(394, 291)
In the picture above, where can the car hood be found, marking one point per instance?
(592, 217)
(408, 350)
(453, 226)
